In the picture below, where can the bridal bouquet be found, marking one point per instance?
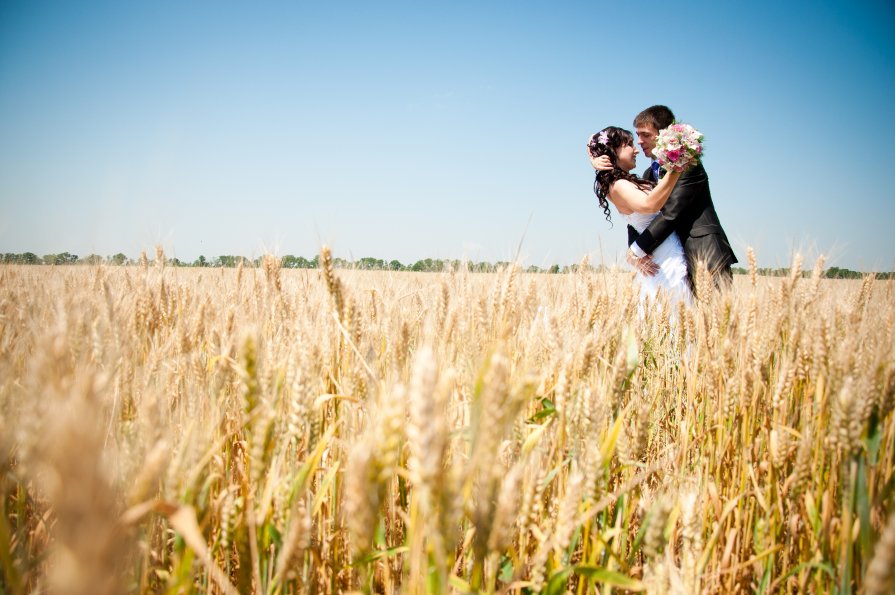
(678, 147)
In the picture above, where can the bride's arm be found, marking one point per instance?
(631, 198)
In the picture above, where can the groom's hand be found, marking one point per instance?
(646, 265)
(601, 163)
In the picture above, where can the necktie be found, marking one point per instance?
(655, 168)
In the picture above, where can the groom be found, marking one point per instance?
(689, 212)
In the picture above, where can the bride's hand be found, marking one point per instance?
(601, 163)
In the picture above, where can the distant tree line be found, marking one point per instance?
(287, 262)
(830, 273)
(430, 265)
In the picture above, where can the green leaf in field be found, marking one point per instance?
(862, 507)
(543, 413)
(573, 543)
(324, 487)
(831, 572)
(813, 515)
(506, 570)
(459, 584)
(379, 536)
(273, 535)
(608, 577)
(638, 539)
(181, 577)
(309, 467)
(874, 439)
(765, 580)
(548, 410)
(608, 446)
(557, 583)
(387, 553)
(554, 471)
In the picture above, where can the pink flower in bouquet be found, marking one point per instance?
(678, 147)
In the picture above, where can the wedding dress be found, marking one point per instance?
(672, 275)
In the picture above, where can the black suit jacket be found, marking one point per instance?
(691, 214)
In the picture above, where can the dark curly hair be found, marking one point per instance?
(607, 142)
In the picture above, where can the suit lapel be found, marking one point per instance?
(648, 175)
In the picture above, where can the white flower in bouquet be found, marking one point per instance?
(678, 147)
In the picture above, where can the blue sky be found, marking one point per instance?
(410, 130)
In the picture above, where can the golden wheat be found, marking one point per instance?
(288, 431)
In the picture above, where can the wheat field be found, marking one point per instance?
(259, 430)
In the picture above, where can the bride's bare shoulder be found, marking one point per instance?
(624, 184)
(619, 193)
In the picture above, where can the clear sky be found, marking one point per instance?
(411, 130)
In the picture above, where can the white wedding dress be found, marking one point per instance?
(669, 255)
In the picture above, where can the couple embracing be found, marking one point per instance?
(672, 224)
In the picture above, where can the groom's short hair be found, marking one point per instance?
(657, 116)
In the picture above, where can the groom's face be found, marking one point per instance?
(646, 138)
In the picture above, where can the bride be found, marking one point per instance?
(638, 202)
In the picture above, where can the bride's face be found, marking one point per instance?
(627, 156)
